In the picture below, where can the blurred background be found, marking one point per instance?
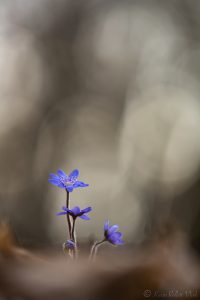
(111, 88)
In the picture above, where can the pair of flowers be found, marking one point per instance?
(71, 182)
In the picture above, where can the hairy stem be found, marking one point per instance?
(94, 249)
(74, 237)
(68, 217)
(73, 231)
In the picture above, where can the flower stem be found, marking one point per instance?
(74, 237)
(94, 249)
(68, 217)
(73, 231)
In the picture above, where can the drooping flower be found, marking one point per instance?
(75, 212)
(68, 182)
(112, 235)
(69, 244)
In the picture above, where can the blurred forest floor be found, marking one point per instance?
(163, 269)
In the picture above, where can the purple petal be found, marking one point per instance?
(69, 188)
(70, 244)
(106, 225)
(56, 182)
(80, 184)
(61, 185)
(86, 210)
(75, 210)
(112, 239)
(74, 174)
(53, 176)
(61, 213)
(84, 217)
(113, 229)
(115, 238)
(119, 242)
(117, 235)
(65, 208)
(62, 173)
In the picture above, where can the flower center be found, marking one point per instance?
(67, 181)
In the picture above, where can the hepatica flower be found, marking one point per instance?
(75, 212)
(68, 182)
(69, 244)
(112, 235)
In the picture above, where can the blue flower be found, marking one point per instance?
(112, 235)
(64, 181)
(75, 212)
(69, 244)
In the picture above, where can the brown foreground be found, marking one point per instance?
(163, 269)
